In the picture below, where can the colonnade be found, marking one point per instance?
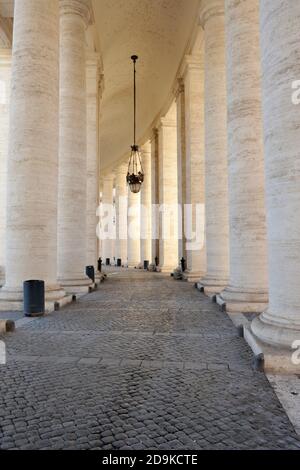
(221, 163)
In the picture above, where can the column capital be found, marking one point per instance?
(82, 8)
(166, 122)
(5, 57)
(210, 9)
(178, 87)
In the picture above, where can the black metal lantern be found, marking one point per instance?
(135, 173)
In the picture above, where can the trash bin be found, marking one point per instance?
(146, 264)
(90, 272)
(107, 261)
(119, 262)
(34, 298)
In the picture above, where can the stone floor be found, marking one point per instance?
(145, 362)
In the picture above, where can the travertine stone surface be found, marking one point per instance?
(107, 250)
(280, 36)
(216, 171)
(5, 77)
(181, 163)
(168, 191)
(121, 212)
(72, 192)
(248, 283)
(31, 240)
(154, 194)
(146, 225)
(134, 229)
(195, 168)
(93, 157)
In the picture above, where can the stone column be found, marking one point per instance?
(92, 103)
(106, 222)
(181, 165)
(121, 212)
(280, 35)
(134, 229)
(168, 192)
(146, 213)
(248, 283)
(5, 77)
(216, 177)
(32, 172)
(72, 191)
(154, 196)
(193, 74)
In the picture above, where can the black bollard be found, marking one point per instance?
(146, 264)
(90, 272)
(34, 298)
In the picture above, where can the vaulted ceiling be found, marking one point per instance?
(158, 32)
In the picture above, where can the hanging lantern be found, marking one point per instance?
(135, 173)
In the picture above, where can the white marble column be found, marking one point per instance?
(121, 212)
(134, 229)
(5, 78)
(107, 240)
(280, 37)
(248, 282)
(72, 191)
(168, 191)
(146, 213)
(154, 196)
(193, 74)
(93, 157)
(181, 165)
(216, 171)
(32, 172)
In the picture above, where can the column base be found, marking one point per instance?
(77, 286)
(165, 269)
(275, 331)
(235, 300)
(271, 359)
(132, 264)
(192, 276)
(11, 299)
(211, 286)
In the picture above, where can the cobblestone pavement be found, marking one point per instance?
(144, 362)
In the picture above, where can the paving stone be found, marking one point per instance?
(142, 363)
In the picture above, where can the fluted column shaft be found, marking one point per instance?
(5, 78)
(107, 241)
(72, 192)
(247, 290)
(134, 229)
(216, 177)
(195, 172)
(121, 212)
(93, 158)
(280, 36)
(32, 170)
(168, 192)
(146, 215)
